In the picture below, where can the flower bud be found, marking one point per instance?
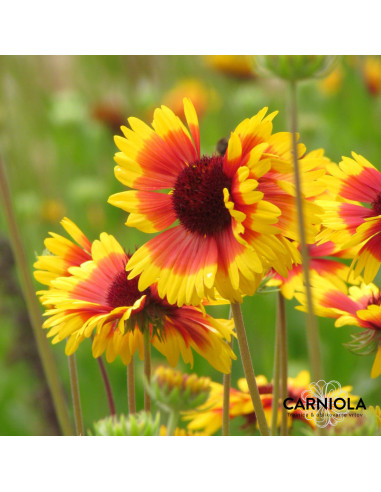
(296, 67)
(174, 391)
(140, 424)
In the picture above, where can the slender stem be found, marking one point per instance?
(283, 360)
(276, 379)
(226, 397)
(131, 387)
(312, 329)
(74, 384)
(147, 367)
(248, 368)
(107, 385)
(172, 423)
(34, 310)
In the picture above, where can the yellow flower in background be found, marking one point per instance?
(332, 84)
(236, 211)
(194, 89)
(371, 70)
(354, 306)
(96, 298)
(52, 210)
(241, 66)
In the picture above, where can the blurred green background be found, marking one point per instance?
(58, 116)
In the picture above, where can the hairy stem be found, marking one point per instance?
(283, 360)
(276, 379)
(226, 397)
(131, 387)
(34, 310)
(248, 368)
(74, 383)
(312, 329)
(147, 367)
(107, 384)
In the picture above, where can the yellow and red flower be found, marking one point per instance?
(240, 66)
(62, 253)
(356, 219)
(207, 419)
(319, 264)
(233, 214)
(96, 298)
(353, 306)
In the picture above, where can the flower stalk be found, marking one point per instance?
(34, 311)
(76, 397)
(131, 387)
(276, 378)
(226, 398)
(312, 330)
(248, 369)
(147, 367)
(107, 385)
(283, 357)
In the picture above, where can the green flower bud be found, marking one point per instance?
(296, 67)
(140, 424)
(177, 392)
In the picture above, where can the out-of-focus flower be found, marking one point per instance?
(366, 423)
(236, 211)
(207, 419)
(140, 424)
(195, 90)
(356, 219)
(333, 82)
(334, 270)
(296, 67)
(52, 210)
(96, 296)
(110, 114)
(241, 66)
(353, 306)
(174, 391)
(371, 70)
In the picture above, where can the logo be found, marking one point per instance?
(324, 403)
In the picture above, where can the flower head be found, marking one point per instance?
(353, 306)
(96, 298)
(233, 215)
(141, 424)
(354, 219)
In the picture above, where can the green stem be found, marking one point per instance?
(248, 369)
(312, 330)
(107, 384)
(34, 310)
(226, 397)
(283, 360)
(147, 367)
(131, 387)
(172, 423)
(276, 379)
(74, 384)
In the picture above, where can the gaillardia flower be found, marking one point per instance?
(96, 298)
(323, 261)
(207, 419)
(353, 306)
(233, 215)
(355, 218)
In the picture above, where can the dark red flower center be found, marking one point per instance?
(198, 197)
(376, 205)
(124, 292)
